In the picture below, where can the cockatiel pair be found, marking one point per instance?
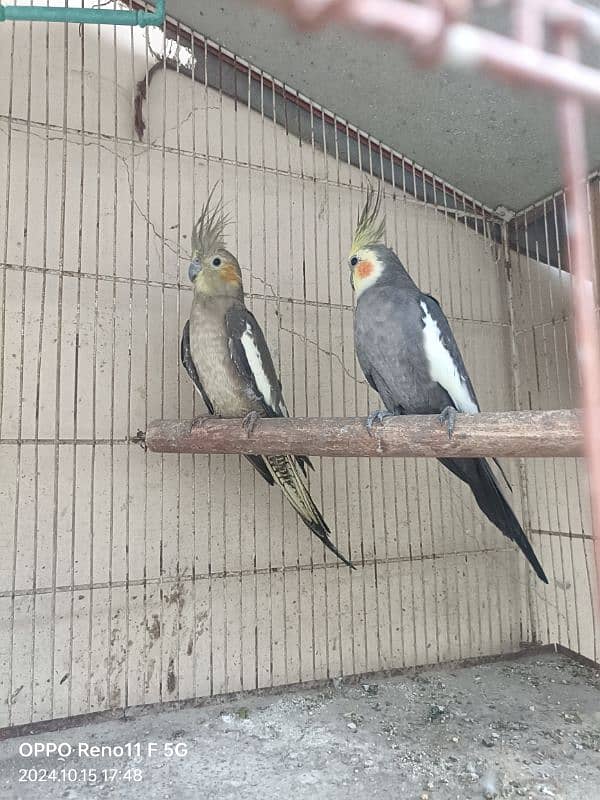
(403, 341)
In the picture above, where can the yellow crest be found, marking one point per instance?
(369, 230)
(207, 233)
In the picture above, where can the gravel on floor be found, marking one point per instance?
(525, 728)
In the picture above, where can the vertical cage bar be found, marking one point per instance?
(571, 125)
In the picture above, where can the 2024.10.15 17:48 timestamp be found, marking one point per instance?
(73, 775)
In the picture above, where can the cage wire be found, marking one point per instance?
(132, 578)
(547, 377)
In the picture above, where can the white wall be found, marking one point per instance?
(129, 577)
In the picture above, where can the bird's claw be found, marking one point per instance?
(249, 422)
(448, 418)
(377, 417)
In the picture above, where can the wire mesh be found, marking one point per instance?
(132, 578)
(546, 368)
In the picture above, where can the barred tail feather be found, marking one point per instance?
(284, 470)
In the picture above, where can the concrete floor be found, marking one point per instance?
(526, 728)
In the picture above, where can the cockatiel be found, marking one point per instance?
(408, 354)
(225, 354)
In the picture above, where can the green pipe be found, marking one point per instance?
(91, 15)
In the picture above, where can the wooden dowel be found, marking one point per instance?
(530, 434)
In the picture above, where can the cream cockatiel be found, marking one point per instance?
(225, 353)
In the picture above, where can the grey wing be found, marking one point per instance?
(186, 359)
(449, 342)
(251, 355)
(369, 375)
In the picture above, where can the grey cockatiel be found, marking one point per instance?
(408, 354)
(225, 353)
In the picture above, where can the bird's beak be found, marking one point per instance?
(352, 279)
(193, 270)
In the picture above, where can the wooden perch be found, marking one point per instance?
(531, 434)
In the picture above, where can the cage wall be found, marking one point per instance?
(131, 578)
(557, 509)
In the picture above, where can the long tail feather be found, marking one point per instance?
(305, 464)
(477, 473)
(506, 481)
(261, 467)
(284, 470)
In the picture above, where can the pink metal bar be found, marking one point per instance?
(578, 19)
(528, 22)
(466, 45)
(571, 128)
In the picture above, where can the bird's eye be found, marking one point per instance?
(216, 262)
(354, 261)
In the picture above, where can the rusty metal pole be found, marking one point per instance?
(571, 129)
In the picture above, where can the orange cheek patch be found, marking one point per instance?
(363, 270)
(229, 274)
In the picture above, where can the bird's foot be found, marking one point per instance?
(249, 422)
(377, 417)
(448, 419)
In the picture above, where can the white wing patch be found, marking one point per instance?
(442, 368)
(256, 366)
